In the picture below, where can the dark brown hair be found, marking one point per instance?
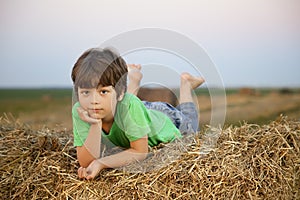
(100, 67)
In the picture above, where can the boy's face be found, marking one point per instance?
(100, 103)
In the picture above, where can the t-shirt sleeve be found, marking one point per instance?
(80, 128)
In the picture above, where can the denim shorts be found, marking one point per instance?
(184, 116)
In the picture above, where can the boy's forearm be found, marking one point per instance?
(93, 141)
(121, 159)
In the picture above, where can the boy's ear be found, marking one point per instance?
(121, 96)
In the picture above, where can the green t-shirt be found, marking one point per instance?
(132, 121)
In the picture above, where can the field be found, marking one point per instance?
(258, 106)
(256, 155)
(38, 108)
(51, 108)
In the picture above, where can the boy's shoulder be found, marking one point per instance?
(74, 108)
(130, 103)
(130, 98)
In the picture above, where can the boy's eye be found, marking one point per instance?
(85, 92)
(104, 91)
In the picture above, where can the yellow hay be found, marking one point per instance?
(248, 162)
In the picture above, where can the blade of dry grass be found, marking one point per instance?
(246, 162)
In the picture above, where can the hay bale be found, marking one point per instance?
(248, 162)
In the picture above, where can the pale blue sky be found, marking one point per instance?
(253, 43)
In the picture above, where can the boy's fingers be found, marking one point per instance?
(91, 174)
(92, 170)
(82, 113)
(80, 110)
(89, 177)
(80, 172)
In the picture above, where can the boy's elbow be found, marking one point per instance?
(140, 148)
(139, 155)
(143, 156)
(83, 163)
(83, 157)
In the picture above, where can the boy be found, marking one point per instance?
(106, 111)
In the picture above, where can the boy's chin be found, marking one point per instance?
(96, 116)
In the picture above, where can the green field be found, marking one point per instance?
(25, 100)
(52, 107)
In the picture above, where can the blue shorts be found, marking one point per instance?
(184, 116)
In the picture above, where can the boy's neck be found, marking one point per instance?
(106, 126)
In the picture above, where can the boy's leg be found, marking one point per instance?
(185, 116)
(187, 84)
(186, 102)
(135, 76)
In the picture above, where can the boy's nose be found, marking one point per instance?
(96, 98)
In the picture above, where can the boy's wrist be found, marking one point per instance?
(101, 165)
(98, 124)
(93, 121)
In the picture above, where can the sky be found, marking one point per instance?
(252, 43)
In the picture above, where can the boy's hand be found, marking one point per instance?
(81, 172)
(84, 115)
(91, 171)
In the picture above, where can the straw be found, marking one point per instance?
(239, 162)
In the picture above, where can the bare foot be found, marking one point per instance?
(135, 76)
(193, 81)
(134, 73)
(133, 67)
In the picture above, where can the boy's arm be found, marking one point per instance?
(137, 152)
(91, 147)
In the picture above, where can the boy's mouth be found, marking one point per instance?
(96, 110)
